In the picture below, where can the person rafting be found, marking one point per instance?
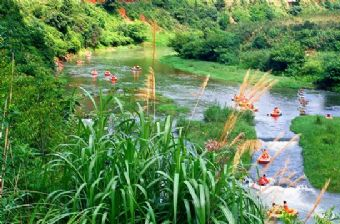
(251, 107)
(329, 116)
(240, 98)
(302, 111)
(287, 209)
(303, 101)
(107, 73)
(265, 154)
(114, 78)
(263, 181)
(264, 158)
(275, 209)
(276, 112)
(236, 98)
(80, 62)
(94, 72)
(301, 92)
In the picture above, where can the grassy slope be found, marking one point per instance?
(321, 149)
(227, 73)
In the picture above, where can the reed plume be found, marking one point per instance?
(250, 93)
(318, 200)
(148, 93)
(247, 146)
(237, 139)
(199, 96)
(244, 84)
(228, 127)
(239, 152)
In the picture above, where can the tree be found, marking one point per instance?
(331, 75)
(110, 5)
(220, 4)
(286, 55)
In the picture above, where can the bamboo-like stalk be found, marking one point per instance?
(318, 200)
(7, 142)
(154, 27)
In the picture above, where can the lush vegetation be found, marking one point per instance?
(64, 164)
(66, 26)
(306, 48)
(211, 128)
(230, 73)
(320, 143)
(122, 167)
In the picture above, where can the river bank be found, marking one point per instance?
(232, 74)
(321, 148)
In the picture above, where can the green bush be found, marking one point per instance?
(312, 68)
(216, 113)
(261, 12)
(136, 31)
(295, 10)
(109, 38)
(331, 74)
(212, 46)
(286, 55)
(241, 15)
(257, 59)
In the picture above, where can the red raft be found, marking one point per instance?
(276, 115)
(94, 73)
(107, 73)
(262, 160)
(114, 78)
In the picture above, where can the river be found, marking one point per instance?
(182, 87)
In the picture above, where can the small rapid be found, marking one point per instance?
(183, 87)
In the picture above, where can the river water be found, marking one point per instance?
(182, 87)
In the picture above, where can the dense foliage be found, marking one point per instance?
(294, 50)
(256, 38)
(121, 167)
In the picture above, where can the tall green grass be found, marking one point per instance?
(126, 168)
